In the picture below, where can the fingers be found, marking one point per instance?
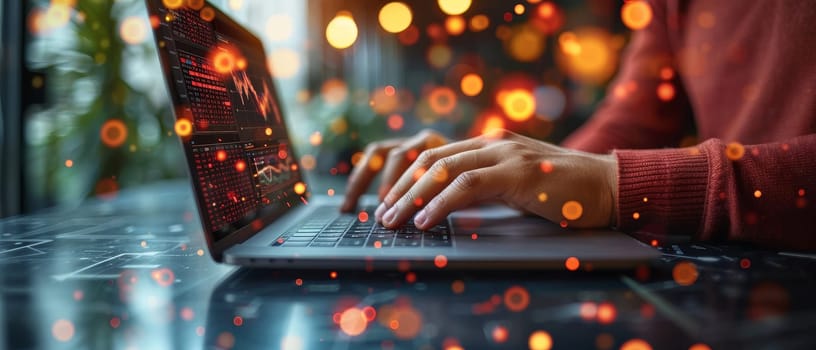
(425, 160)
(467, 189)
(435, 180)
(365, 170)
(401, 157)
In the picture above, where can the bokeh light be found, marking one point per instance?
(183, 127)
(636, 14)
(395, 17)
(455, 25)
(173, 4)
(284, 63)
(223, 61)
(471, 84)
(395, 122)
(685, 273)
(516, 298)
(572, 263)
(442, 100)
(113, 133)
(500, 334)
(540, 340)
(607, 313)
(665, 91)
(526, 44)
(454, 7)
(384, 103)
(440, 56)
(519, 105)
(341, 32)
(734, 151)
(207, 14)
(636, 344)
(353, 322)
(492, 124)
(588, 55)
(334, 91)
(699, 346)
(479, 23)
(440, 261)
(133, 30)
(300, 188)
(63, 330)
(279, 28)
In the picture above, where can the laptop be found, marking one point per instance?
(257, 209)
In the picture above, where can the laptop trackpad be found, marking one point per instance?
(497, 220)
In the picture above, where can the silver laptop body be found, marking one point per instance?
(253, 200)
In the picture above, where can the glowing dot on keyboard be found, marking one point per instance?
(363, 216)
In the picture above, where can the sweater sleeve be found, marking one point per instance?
(755, 193)
(634, 115)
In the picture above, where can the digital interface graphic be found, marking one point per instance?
(254, 101)
(207, 93)
(273, 169)
(221, 83)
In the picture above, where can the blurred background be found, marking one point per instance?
(96, 117)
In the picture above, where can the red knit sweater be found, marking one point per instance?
(744, 72)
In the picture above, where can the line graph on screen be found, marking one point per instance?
(271, 171)
(263, 100)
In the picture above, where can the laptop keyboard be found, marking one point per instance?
(327, 228)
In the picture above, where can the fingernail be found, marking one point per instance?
(390, 215)
(420, 218)
(380, 211)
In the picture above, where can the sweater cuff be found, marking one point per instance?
(661, 191)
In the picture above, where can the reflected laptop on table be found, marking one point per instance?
(255, 206)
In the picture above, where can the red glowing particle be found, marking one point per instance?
(240, 166)
(333, 274)
(607, 313)
(395, 122)
(238, 321)
(221, 155)
(654, 243)
(745, 263)
(362, 216)
(500, 334)
(588, 311)
(370, 313)
(115, 322)
(298, 282)
(163, 277)
(440, 261)
(389, 90)
(546, 167)
(410, 277)
(187, 314)
(377, 244)
(572, 263)
(516, 298)
(474, 236)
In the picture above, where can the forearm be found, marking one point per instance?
(712, 192)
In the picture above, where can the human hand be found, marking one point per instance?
(392, 157)
(526, 174)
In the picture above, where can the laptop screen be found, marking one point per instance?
(228, 117)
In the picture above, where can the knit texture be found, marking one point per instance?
(742, 74)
